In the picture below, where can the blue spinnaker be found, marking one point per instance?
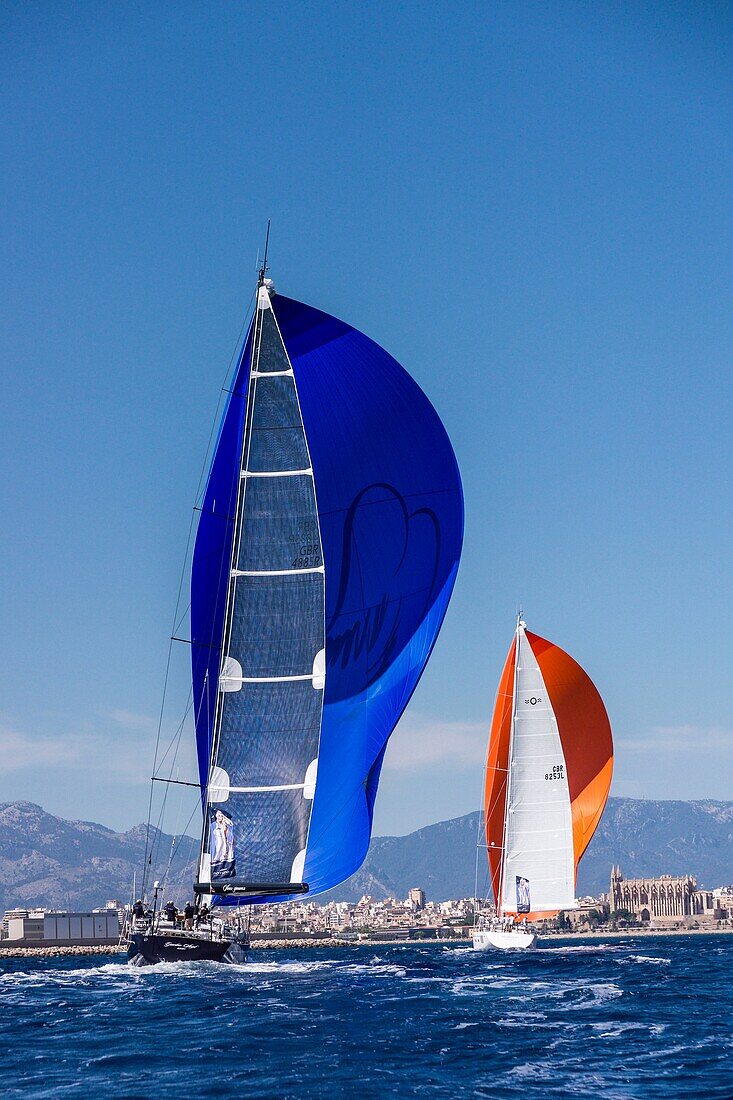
(390, 511)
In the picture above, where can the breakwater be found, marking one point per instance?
(57, 952)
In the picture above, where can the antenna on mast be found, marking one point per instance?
(263, 269)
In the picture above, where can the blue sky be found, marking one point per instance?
(528, 204)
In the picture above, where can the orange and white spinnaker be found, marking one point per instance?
(548, 775)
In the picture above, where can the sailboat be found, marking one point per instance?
(548, 774)
(327, 547)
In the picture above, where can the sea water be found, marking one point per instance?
(639, 1017)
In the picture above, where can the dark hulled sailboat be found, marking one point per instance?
(327, 547)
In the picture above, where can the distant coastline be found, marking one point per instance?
(316, 943)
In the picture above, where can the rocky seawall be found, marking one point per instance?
(54, 952)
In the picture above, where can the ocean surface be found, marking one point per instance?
(641, 1017)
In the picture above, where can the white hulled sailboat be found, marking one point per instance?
(548, 774)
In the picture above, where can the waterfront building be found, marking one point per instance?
(666, 898)
(40, 927)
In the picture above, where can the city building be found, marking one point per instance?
(417, 897)
(23, 927)
(667, 898)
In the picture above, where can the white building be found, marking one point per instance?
(42, 926)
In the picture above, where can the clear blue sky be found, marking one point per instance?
(528, 204)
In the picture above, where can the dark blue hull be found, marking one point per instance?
(147, 950)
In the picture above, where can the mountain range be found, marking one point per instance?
(48, 861)
(647, 838)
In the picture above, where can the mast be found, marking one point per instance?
(520, 626)
(263, 269)
(263, 758)
(242, 484)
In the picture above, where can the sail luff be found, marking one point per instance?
(508, 788)
(204, 872)
(538, 848)
(497, 770)
(272, 673)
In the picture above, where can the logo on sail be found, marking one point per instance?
(222, 846)
(523, 902)
(366, 622)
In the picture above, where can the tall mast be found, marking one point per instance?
(241, 488)
(263, 269)
(519, 628)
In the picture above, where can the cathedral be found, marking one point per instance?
(656, 898)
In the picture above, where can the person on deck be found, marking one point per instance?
(188, 915)
(203, 915)
(171, 912)
(138, 909)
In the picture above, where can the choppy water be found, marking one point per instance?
(646, 1017)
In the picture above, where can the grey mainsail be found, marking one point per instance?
(270, 693)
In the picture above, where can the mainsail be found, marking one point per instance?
(548, 775)
(270, 691)
(326, 552)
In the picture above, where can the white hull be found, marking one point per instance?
(515, 940)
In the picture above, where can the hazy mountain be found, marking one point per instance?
(45, 860)
(644, 837)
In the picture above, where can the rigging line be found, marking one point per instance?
(177, 817)
(238, 488)
(238, 349)
(177, 742)
(480, 825)
(184, 835)
(186, 865)
(177, 844)
(155, 767)
(179, 730)
(176, 782)
(202, 472)
(231, 511)
(177, 627)
(164, 801)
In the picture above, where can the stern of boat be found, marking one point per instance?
(516, 939)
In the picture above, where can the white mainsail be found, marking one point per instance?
(538, 873)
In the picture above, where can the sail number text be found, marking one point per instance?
(309, 556)
(558, 772)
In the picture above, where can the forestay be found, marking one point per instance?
(538, 872)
